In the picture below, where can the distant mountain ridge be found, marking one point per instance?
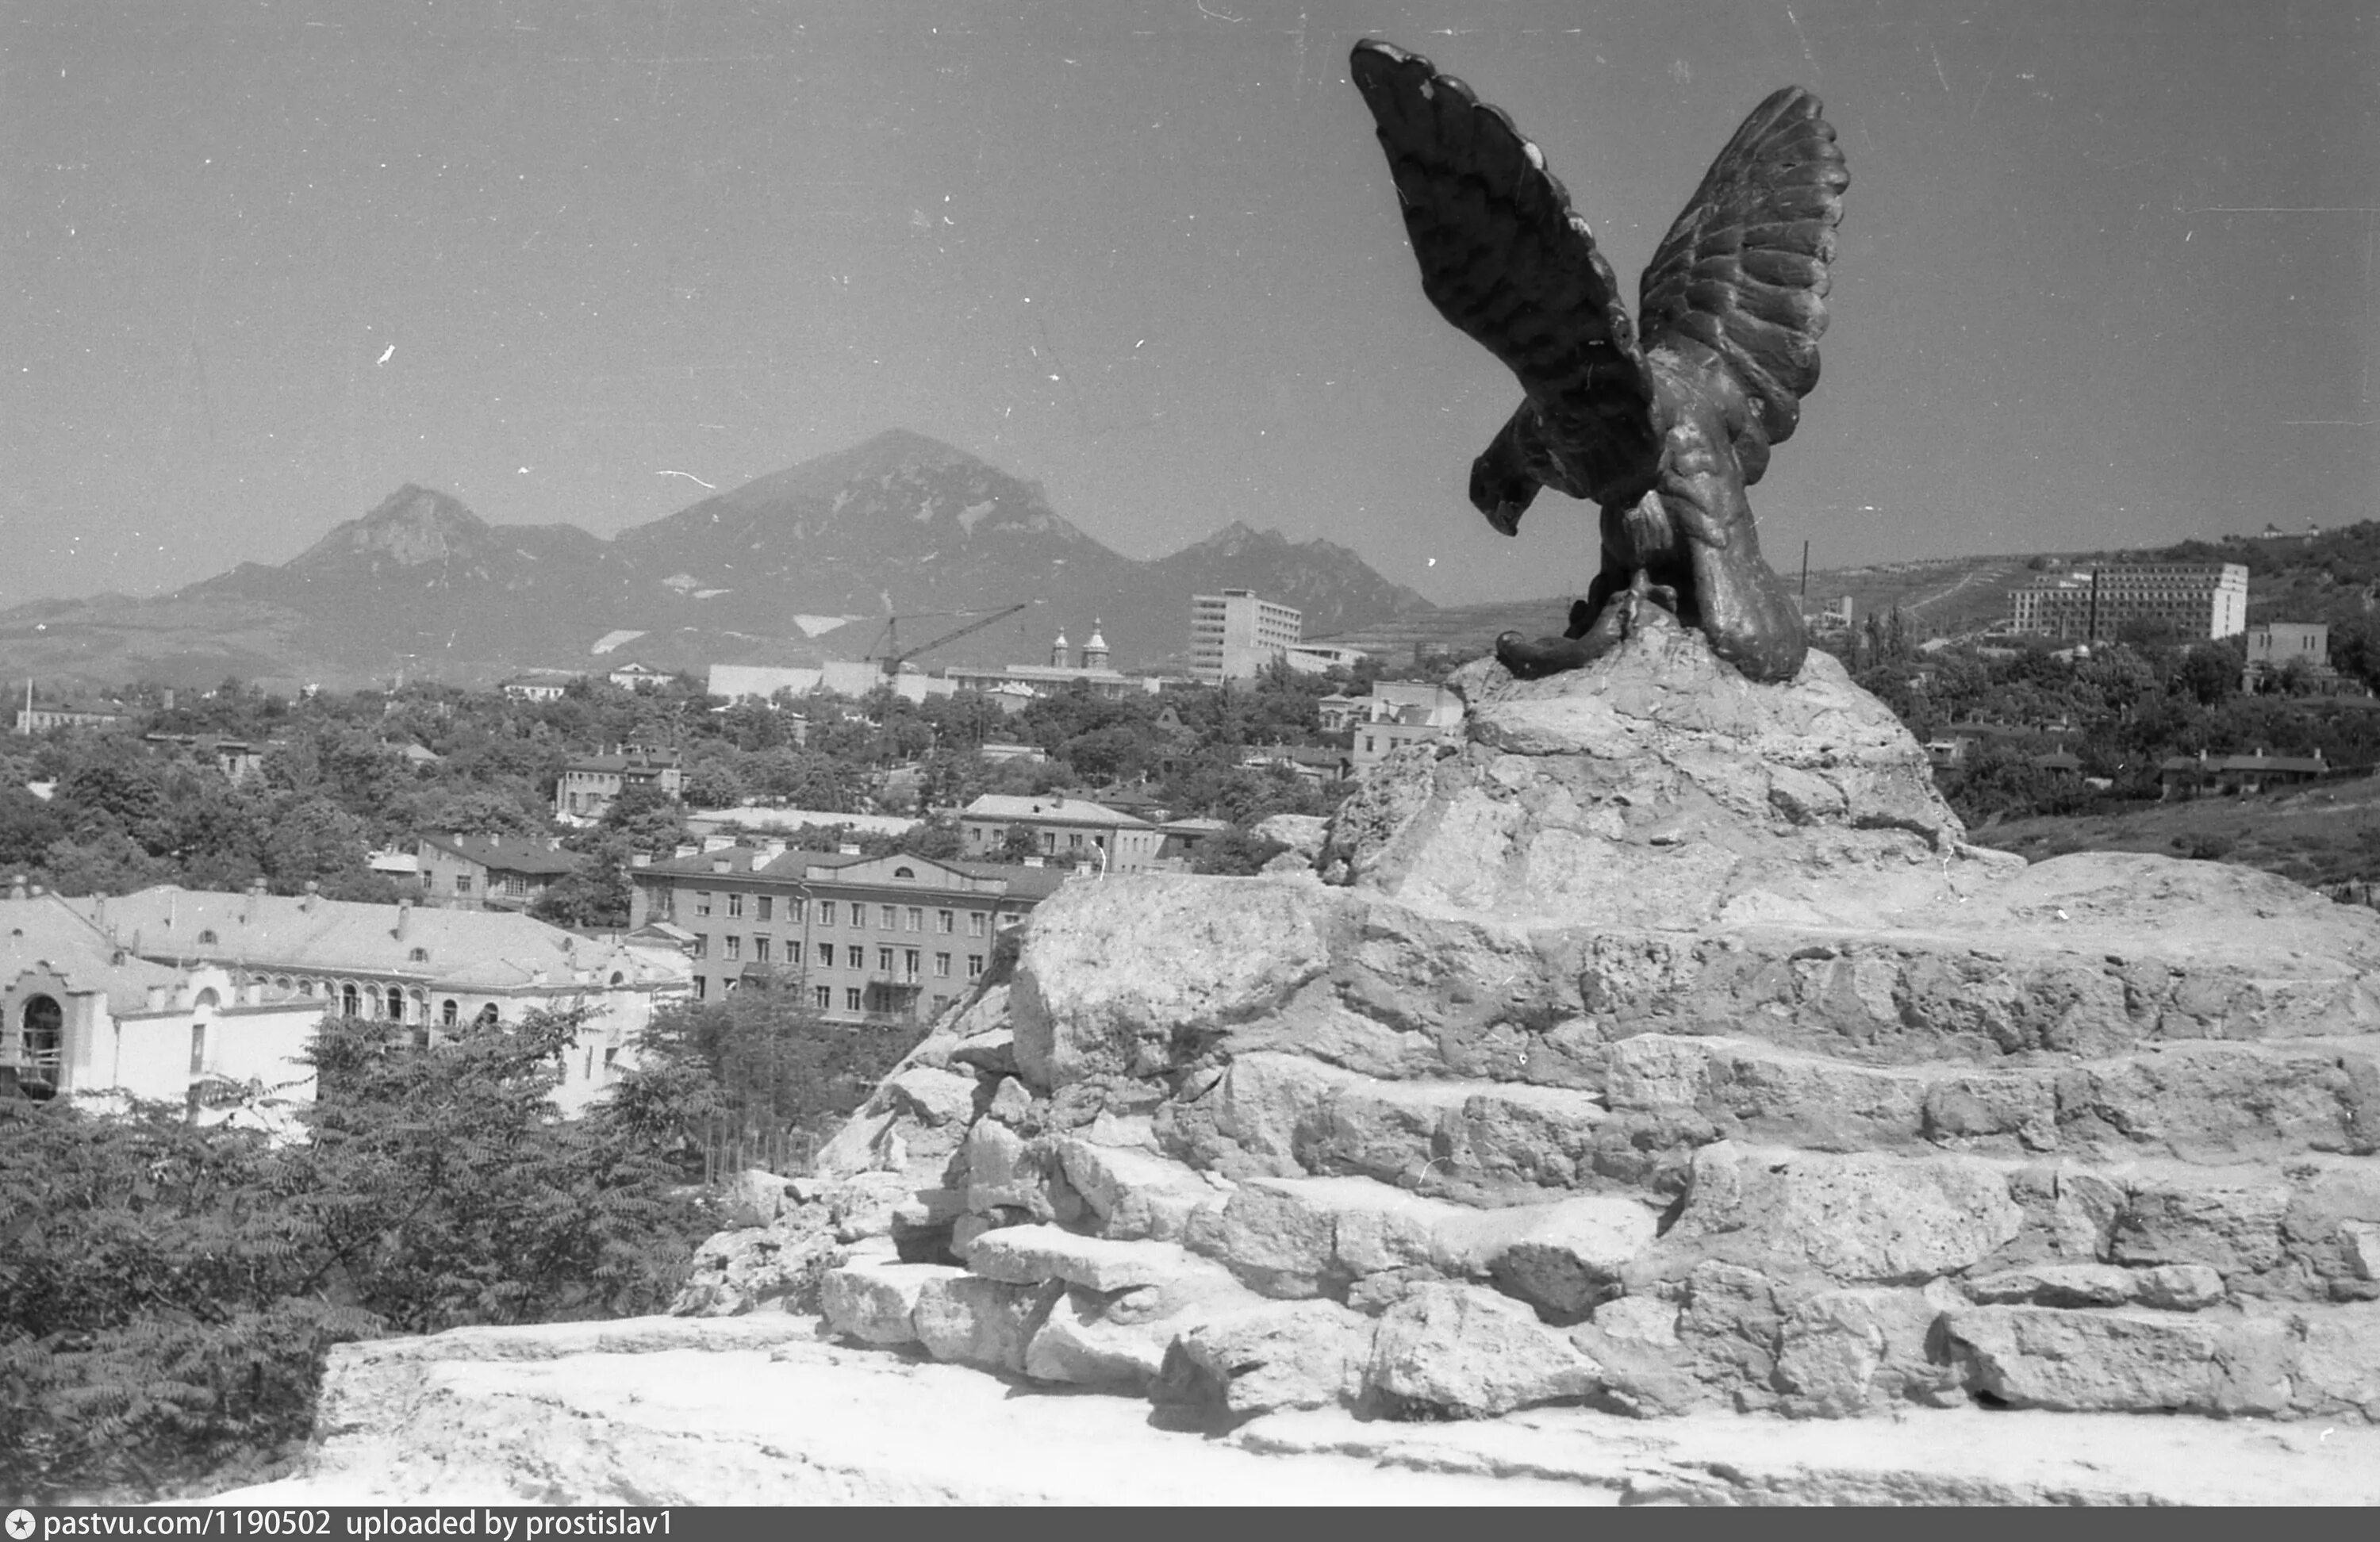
(898, 525)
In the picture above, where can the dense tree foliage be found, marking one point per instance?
(167, 1291)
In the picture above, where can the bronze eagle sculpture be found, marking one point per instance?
(1664, 431)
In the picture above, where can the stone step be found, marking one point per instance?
(2212, 1102)
(2307, 1231)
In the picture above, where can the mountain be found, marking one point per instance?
(800, 565)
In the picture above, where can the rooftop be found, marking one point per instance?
(1073, 811)
(517, 854)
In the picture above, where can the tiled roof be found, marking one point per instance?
(1021, 882)
(521, 853)
(46, 932)
(474, 950)
(1073, 811)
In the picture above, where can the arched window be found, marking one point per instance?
(904, 873)
(419, 955)
(395, 1003)
(350, 1004)
(489, 1017)
(617, 977)
(206, 1001)
(206, 938)
(449, 1012)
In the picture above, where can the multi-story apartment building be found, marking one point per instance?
(1062, 826)
(2200, 601)
(871, 938)
(1233, 635)
(590, 783)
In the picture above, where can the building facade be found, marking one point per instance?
(1233, 635)
(1401, 713)
(476, 872)
(81, 1014)
(1062, 826)
(884, 940)
(429, 969)
(590, 783)
(2200, 601)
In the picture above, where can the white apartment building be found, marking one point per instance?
(2202, 600)
(1235, 634)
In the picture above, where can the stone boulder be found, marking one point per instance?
(1455, 1350)
(1263, 1358)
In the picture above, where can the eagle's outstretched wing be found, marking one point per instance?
(1504, 258)
(1743, 270)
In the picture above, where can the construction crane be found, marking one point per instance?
(895, 655)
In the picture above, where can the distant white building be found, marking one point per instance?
(1233, 635)
(1061, 826)
(2200, 601)
(1404, 712)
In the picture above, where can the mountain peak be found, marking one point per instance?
(412, 526)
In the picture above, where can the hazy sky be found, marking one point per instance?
(2107, 274)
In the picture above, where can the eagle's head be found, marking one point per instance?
(1501, 483)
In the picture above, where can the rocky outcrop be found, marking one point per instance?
(1660, 1047)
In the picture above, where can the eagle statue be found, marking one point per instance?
(1663, 428)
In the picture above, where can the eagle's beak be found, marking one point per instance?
(1506, 517)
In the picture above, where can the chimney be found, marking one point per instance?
(404, 916)
(772, 848)
(722, 865)
(848, 848)
(640, 860)
(313, 898)
(685, 849)
(718, 842)
(17, 887)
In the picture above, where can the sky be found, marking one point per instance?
(2107, 274)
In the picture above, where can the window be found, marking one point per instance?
(793, 950)
(826, 956)
(462, 884)
(701, 993)
(349, 1003)
(767, 902)
(419, 955)
(888, 918)
(1049, 842)
(942, 965)
(727, 986)
(975, 923)
(449, 1011)
(395, 1003)
(793, 912)
(735, 946)
(911, 961)
(825, 994)
(735, 905)
(916, 918)
(488, 1016)
(760, 950)
(851, 998)
(206, 937)
(1074, 840)
(198, 1048)
(944, 921)
(904, 873)
(701, 946)
(826, 912)
(883, 961)
(975, 965)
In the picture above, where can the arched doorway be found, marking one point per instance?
(42, 1041)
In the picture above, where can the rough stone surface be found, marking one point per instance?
(1563, 1258)
(876, 1303)
(1279, 1354)
(984, 1323)
(1858, 1218)
(1030, 1255)
(2129, 1361)
(1453, 1351)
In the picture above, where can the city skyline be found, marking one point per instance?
(2105, 274)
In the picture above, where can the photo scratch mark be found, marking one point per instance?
(689, 477)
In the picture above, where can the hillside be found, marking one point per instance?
(800, 565)
(2318, 836)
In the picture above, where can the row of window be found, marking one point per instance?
(911, 961)
(888, 917)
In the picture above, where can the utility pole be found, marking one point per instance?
(1805, 574)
